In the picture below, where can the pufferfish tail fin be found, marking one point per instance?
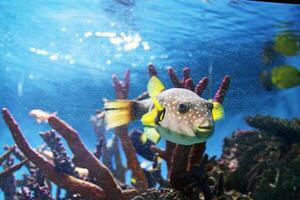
(119, 112)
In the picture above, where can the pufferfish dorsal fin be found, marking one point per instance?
(154, 87)
(218, 111)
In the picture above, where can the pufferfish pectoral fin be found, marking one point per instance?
(218, 111)
(152, 134)
(154, 87)
(148, 119)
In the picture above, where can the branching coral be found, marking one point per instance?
(267, 160)
(288, 129)
(102, 177)
(36, 185)
(7, 179)
(86, 189)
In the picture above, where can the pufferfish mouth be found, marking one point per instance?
(205, 129)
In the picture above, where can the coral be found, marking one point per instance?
(287, 129)
(7, 179)
(102, 177)
(60, 157)
(161, 194)
(267, 160)
(224, 86)
(37, 186)
(171, 194)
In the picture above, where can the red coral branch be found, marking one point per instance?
(186, 73)
(195, 155)
(201, 86)
(84, 158)
(10, 170)
(176, 82)
(121, 87)
(188, 84)
(187, 80)
(178, 166)
(224, 86)
(6, 154)
(151, 70)
(74, 185)
(132, 161)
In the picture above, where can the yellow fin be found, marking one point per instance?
(133, 181)
(152, 134)
(285, 76)
(154, 86)
(118, 113)
(143, 138)
(148, 119)
(218, 111)
(156, 103)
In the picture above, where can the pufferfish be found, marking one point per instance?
(177, 115)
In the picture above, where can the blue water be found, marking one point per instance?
(60, 55)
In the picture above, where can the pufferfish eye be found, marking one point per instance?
(183, 107)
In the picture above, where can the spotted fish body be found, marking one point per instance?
(194, 125)
(177, 115)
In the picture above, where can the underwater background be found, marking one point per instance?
(59, 56)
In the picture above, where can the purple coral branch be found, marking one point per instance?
(195, 155)
(151, 70)
(84, 158)
(10, 170)
(188, 84)
(121, 87)
(179, 162)
(201, 86)
(176, 82)
(132, 161)
(61, 160)
(7, 154)
(224, 86)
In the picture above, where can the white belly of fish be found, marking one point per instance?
(179, 138)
